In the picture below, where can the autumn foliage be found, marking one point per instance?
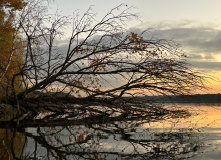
(12, 4)
(10, 47)
(101, 58)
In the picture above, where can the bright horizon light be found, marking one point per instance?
(196, 25)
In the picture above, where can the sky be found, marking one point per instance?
(194, 24)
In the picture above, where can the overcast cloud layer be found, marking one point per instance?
(202, 42)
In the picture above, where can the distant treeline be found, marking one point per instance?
(197, 98)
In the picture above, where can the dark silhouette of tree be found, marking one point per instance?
(90, 88)
(115, 140)
(103, 62)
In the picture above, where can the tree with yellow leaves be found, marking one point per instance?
(10, 47)
(102, 59)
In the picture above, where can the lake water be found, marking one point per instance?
(196, 137)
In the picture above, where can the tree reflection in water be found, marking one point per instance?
(116, 140)
(12, 144)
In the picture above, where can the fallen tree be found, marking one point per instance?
(103, 62)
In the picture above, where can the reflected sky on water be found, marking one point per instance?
(195, 137)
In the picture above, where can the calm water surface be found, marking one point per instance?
(195, 137)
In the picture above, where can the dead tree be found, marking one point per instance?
(102, 59)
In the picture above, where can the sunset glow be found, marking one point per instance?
(206, 117)
(197, 28)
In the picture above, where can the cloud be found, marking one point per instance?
(200, 41)
(206, 65)
(206, 40)
(195, 36)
